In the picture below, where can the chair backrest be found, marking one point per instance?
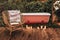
(14, 17)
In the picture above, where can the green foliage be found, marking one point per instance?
(34, 7)
(39, 7)
(27, 6)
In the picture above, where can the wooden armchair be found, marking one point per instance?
(5, 16)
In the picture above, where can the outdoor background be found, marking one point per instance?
(25, 6)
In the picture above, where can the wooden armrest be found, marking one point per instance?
(5, 19)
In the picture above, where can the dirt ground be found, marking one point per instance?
(30, 34)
